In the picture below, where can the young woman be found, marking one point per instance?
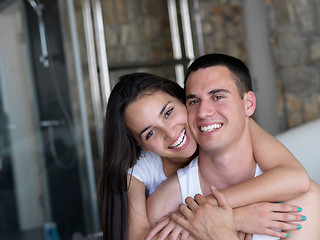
(147, 112)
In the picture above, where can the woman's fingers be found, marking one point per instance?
(179, 219)
(288, 217)
(158, 227)
(167, 231)
(283, 207)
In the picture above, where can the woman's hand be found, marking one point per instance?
(264, 218)
(168, 229)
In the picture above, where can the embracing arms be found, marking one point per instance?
(284, 177)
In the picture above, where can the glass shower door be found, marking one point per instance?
(20, 173)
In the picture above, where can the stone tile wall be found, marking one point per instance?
(295, 45)
(223, 29)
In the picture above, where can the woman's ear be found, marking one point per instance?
(250, 100)
(143, 148)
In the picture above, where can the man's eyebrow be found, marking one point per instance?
(191, 96)
(214, 91)
(161, 112)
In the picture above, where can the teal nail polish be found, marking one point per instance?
(303, 218)
(299, 226)
(287, 235)
(299, 209)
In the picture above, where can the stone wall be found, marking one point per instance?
(295, 45)
(222, 26)
(139, 30)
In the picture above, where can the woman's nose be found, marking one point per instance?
(169, 132)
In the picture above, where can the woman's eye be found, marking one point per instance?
(168, 113)
(149, 135)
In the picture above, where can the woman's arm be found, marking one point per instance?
(284, 178)
(139, 225)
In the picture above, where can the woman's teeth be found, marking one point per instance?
(210, 128)
(181, 141)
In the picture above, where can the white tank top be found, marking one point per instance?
(190, 186)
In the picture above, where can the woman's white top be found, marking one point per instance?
(149, 170)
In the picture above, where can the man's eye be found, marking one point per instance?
(193, 102)
(149, 135)
(168, 113)
(218, 97)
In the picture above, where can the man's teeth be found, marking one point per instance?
(210, 128)
(181, 141)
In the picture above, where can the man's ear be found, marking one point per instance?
(250, 100)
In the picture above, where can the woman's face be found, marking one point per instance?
(158, 122)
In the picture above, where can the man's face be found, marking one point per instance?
(216, 113)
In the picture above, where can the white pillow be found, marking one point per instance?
(304, 142)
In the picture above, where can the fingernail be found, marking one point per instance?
(299, 209)
(303, 218)
(287, 235)
(299, 226)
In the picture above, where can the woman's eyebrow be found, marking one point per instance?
(164, 108)
(145, 129)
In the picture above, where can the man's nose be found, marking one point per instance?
(205, 109)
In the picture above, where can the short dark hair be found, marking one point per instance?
(238, 69)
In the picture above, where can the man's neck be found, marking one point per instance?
(227, 167)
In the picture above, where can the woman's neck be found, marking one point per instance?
(171, 165)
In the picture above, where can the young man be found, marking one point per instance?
(220, 102)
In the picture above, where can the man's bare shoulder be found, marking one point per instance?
(165, 199)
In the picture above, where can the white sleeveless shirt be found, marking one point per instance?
(190, 186)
